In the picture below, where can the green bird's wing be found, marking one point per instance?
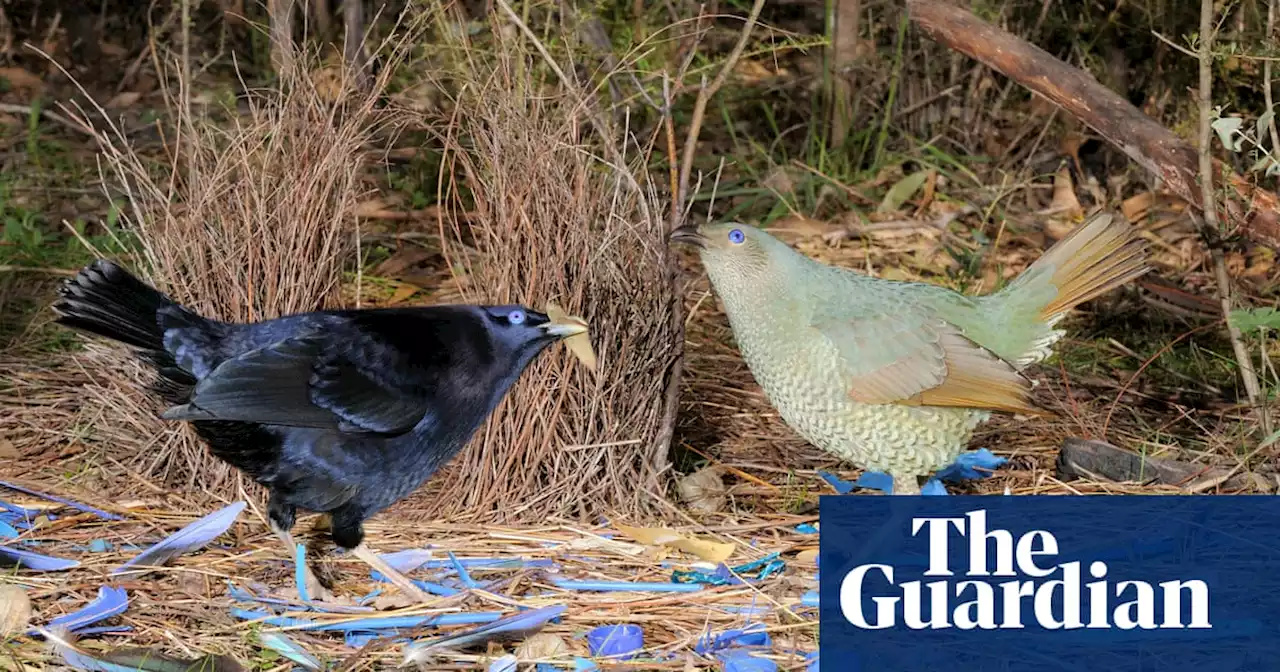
(910, 355)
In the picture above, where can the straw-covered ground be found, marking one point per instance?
(248, 192)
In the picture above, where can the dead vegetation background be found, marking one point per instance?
(544, 214)
(475, 171)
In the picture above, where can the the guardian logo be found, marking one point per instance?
(1039, 591)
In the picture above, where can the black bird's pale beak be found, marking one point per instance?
(565, 328)
(689, 235)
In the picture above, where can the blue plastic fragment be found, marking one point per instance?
(621, 641)
(809, 599)
(524, 622)
(300, 572)
(17, 557)
(972, 465)
(65, 502)
(812, 657)
(104, 630)
(740, 660)
(934, 488)
(290, 649)
(428, 586)
(243, 595)
(723, 576)
(505, 663)
(545, 667)
(875, 480)
(752, 635)
(191, 537)
(111, 601)
(806, 528)
(842, 486)
(8, 531)
(407, 560)
(462, 572)
(581, 664)
(489, 563)
(99, 546)
(356, 640)
(15, 512)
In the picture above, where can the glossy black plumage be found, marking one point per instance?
(342, 411)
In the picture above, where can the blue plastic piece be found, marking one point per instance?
(621, 641)
(934, 488)
(739, 660)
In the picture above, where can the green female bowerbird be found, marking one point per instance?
(894, 376)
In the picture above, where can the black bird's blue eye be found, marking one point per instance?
(515, 316)
(736, 236)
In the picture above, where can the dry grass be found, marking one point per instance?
(550, 221)
(248, 219)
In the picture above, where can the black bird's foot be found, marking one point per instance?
(309, 586)
(400, 580)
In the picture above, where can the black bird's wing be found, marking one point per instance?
(304, 381)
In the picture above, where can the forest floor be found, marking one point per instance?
(1147, 368)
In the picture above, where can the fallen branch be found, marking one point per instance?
(1101, 461)
(1253, 212)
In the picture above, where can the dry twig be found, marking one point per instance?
(700, 110)
(1212, 227)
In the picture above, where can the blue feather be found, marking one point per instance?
(189, 538)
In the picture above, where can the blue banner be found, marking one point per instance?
(1001, 583)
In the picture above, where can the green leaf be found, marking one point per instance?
(1264, 121)
(1227, 127)
(903, 190)
(1256, 319)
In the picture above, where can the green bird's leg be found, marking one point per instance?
(906, 485)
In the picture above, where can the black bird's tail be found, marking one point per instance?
(106, 300)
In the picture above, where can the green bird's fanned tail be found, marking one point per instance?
(1097, 256)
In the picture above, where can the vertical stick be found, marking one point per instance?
(844, 52)
(1210, 209)
(1266, 79)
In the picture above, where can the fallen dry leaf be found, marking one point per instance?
(703, 490)
(19, 78)
(1065, 203)
(404, 291)
(541, 646)
(580, 344)
(402, 261)
(8, 451)
(807, 557)
(1135, 207)
(15, 611)
(710, 551)
(123, 99)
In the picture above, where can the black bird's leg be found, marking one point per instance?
(282, 516)
(348, 532)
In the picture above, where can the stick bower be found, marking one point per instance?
(549, 221)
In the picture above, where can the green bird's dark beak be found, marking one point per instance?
(689, 235)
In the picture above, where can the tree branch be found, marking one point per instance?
(700, 111)
(1253, 211)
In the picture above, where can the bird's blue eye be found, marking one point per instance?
(736, 236)
(515, 316)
